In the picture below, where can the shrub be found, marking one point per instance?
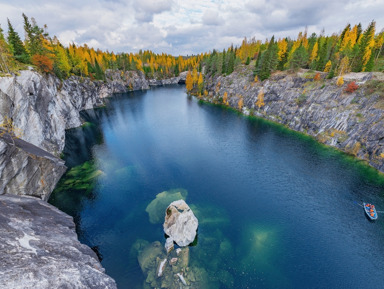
(340, 81)
(351, 87)
(43, 62)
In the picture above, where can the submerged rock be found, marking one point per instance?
(39, 249)
(180, 223)
(156, 208)
(148, 256)
(160, 269)
(181, 278)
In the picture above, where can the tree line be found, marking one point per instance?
(354, 49)
(48, 55)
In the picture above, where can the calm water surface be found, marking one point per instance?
(276, 209)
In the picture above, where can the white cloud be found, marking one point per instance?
(186, 27)
(212, 17)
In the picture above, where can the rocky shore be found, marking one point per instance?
(351, 122)
(40, 240)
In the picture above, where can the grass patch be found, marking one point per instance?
(375, 87)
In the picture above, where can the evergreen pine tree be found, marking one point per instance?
(299, 58)
(323, 55)
(225, 64)
(16, 45)
(34, 36)
(359, 31)
(269, 60)
(99, 73)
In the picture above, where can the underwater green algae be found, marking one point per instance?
(156, 208)
(80, 178)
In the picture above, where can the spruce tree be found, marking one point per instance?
(269, 60)
(16, 45)
(323, 53)
(34, 35)
(299, 58)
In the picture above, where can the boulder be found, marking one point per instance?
(180, 223)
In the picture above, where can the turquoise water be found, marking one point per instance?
(275, 209)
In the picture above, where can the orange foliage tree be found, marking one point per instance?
(43, 62)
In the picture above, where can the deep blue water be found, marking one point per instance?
(283, 206)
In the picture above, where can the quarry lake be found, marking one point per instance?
(275, 208)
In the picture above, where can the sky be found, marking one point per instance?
(183, 27)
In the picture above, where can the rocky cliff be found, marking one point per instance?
(352, 122)
(39, 249)
(42, 107)
(26, 169)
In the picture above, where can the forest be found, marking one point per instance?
(48, 55)
(351, 50)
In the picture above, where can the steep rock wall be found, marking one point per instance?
(351, 122)
(42, 107)
(39, 249)
(26, 169)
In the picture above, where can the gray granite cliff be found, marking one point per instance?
(351, 122)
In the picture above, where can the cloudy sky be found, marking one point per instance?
(183, 26)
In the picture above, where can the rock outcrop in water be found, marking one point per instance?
(180, 223)
(351, 122)
(39, 249)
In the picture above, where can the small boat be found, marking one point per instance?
(370, 210)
